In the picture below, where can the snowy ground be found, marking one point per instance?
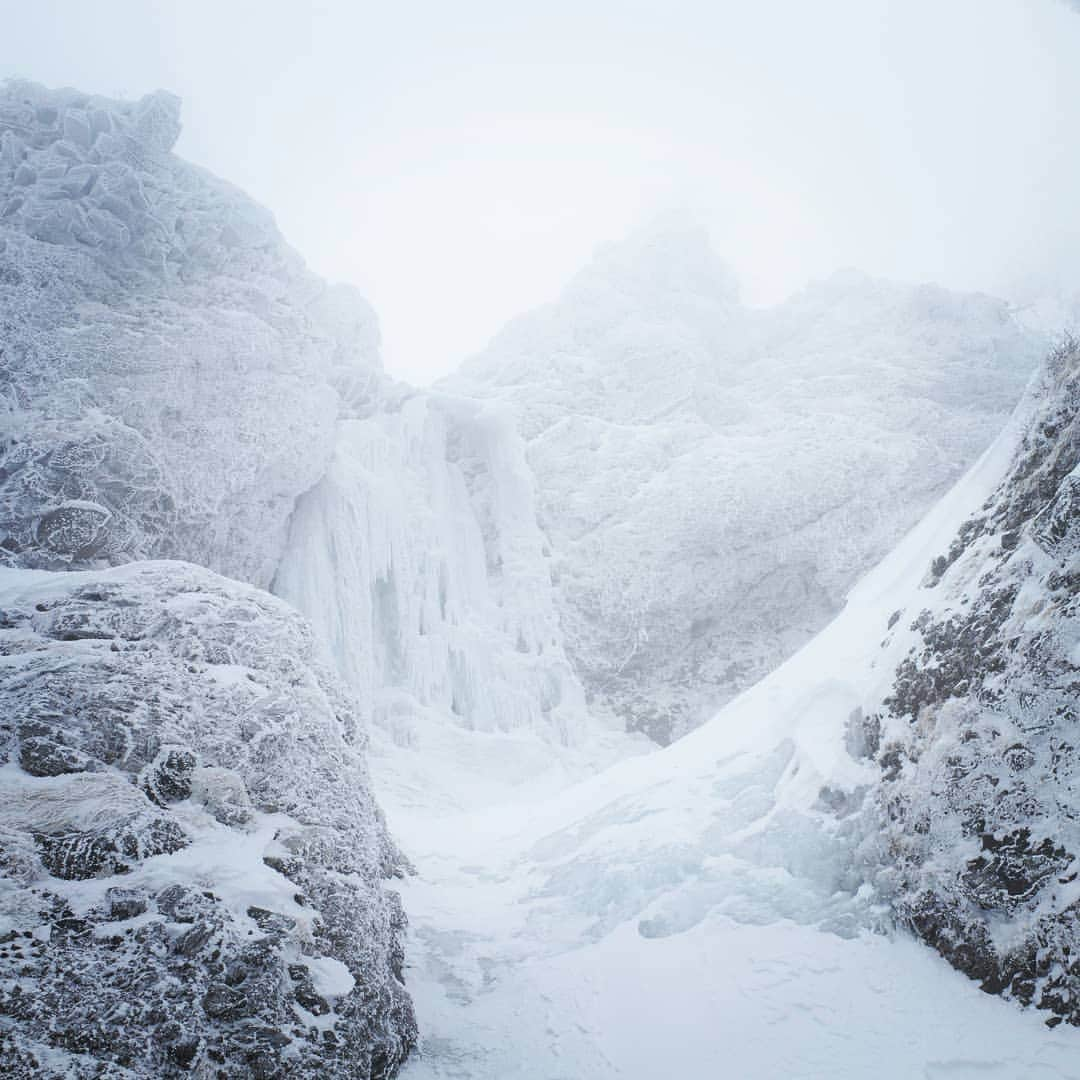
(500, 993)
(692, 912)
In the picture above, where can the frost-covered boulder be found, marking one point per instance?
(191, 860)
(170, 373)
(978, 735)
(714, 478)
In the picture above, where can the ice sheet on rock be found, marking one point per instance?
(419, 561)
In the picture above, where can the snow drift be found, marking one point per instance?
(737, 903)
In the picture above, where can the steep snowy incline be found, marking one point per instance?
(169, 370)
(714, 478)
(720, 905)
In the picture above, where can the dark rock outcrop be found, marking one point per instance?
(980, 732)
(191, 862)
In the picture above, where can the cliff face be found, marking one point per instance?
(169, 371)
(713, 478)
(192, 861)
(978, 734)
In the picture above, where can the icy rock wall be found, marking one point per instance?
(419, 561)
(191, 860)
(976, 740)
(169, 371)
(714, 478)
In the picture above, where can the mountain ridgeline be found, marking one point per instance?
(240, 567)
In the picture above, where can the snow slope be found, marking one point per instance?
(714, 478)
(707, 910)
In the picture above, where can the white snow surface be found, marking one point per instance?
(697, 911)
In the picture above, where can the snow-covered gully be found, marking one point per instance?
(697, 911)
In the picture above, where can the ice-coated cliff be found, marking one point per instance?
(713, 478)
(191, 876)
(167, 365)
(191, 860)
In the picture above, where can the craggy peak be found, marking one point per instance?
(630, 643)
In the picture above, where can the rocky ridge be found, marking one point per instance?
(170, 373)
(193, 864)
(976, 741)
(714, 478)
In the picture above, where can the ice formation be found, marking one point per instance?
(421, 539)
(714, 478)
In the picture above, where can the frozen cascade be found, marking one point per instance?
(422, 540)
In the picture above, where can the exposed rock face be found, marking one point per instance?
(979, 734)
(712, 478)
(191, 861)
(168, 368)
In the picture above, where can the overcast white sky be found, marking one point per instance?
(458, 161)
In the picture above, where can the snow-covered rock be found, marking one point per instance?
(169, 371)
(977, 736)
(714, 478)
(191, 860)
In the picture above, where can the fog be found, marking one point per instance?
(459, 162)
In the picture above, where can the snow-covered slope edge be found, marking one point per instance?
(190, 855)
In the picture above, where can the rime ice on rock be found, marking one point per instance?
(171, 373)
(979, 771)
(190, 856)
(714, 478)
(191, 861)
